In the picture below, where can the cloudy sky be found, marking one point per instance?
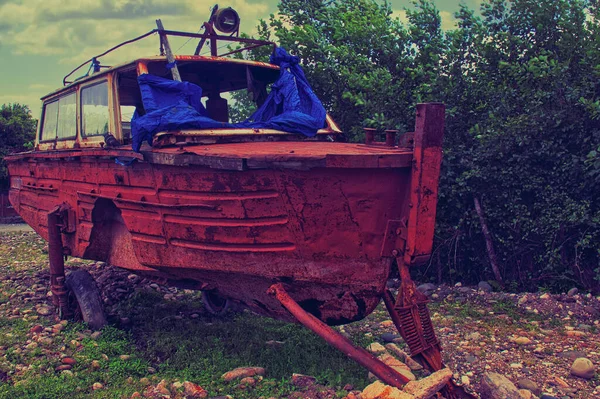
(43, 40)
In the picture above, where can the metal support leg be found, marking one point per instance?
(57, 264)
(382, 371)
(410, 315)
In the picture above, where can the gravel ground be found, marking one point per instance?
(15, 228)
(531, 338)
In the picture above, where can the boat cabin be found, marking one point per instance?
(83, 112)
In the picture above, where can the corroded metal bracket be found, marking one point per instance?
(395, 237)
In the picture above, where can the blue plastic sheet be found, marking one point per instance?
(291, 106)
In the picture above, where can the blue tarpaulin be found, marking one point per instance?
(291, 106)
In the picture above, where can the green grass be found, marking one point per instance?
(200, 349)
(162, 336)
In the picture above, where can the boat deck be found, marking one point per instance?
(293, 155)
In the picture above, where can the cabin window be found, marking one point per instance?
(94, 110)
(60, 119)
(50, 121)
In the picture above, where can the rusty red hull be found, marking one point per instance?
(310, 215)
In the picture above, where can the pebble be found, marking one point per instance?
(242, 372)
(583, 368)
(301, 380)
(523, 300)
(386, 323)
(474, 336)
(95, 365)
(496, 386)
(485, 286)
(389, 337)
(525, 394)
(43, 310)
(96, 386)
(248, 381)
(68, 360)
(162, 389)
(376, 348)
(571, 355)
(194, 391)
(527, 384)
(36, 329)
(522, 341)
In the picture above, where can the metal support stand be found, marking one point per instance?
(381, 370)
(410, 315)
(56, 258)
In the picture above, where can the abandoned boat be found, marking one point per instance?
(276, 213)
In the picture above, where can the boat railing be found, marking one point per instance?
(247, 44)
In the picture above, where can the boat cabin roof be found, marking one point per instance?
(226, 70)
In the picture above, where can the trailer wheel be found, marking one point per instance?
(214, 303)
(84, 299)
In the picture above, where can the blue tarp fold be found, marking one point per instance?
(291, 106)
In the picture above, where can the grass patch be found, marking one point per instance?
(202, 349)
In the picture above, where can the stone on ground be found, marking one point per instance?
(485, 286)
(527, 384)
(301, 380)
(397, 365)
(428, 386)
(410, 362)
(242, 372)
(496, 386)
(376, 348)
(583, 368)
(194, 391)
(378, 390)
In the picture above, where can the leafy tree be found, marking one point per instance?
(17, 132)
(520, 82)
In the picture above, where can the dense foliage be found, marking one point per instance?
(17, 132)
(521, 83)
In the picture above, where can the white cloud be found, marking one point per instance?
(79, 29)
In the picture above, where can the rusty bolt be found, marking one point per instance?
(398, 231)
(395, 252)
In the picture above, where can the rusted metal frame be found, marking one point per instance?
(174, 33)
(219, 37)
(239, 50)
(108, 51)
(56, 255)
(382, 371)
(409, 311)
(427, 159)
(207, 28)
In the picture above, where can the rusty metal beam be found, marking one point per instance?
(382, 371)
(56, 258)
